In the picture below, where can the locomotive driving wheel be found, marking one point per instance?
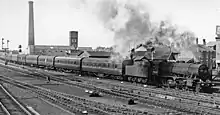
(129, 78)
(133, 79)
(139, 80)
(144, 81)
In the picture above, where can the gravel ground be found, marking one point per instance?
(29, 99)
(81, 92)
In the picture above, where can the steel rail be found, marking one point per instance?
(25, 110)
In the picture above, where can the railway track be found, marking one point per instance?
(183, 107)
(170, 94)
(9, 105)
(200, 107)
(73, 103)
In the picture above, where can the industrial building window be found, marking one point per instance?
(73, 40)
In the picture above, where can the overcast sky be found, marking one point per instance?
(55, 18)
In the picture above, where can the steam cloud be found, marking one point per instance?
(130, 22)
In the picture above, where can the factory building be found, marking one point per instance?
(59, 50)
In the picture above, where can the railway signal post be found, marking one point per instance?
(2, 43)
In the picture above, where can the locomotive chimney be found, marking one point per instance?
(204, 42)
(197, 41)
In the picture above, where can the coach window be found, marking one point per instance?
(103, 65)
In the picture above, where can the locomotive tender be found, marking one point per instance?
(143, 70)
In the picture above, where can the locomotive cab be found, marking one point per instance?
(138, 70)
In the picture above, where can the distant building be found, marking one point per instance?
(212, 45)
(85, 48)
(96, 54)
(52, 50)
(59, 50)
(160, 52)
(199, 53)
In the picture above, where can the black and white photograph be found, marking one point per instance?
(109, 57)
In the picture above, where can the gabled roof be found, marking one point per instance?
(85, 48)
(161, 52)
(140, 53)
(99, 53)
(76, 53)
(212, 43)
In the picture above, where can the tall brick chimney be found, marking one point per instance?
(204, 42)
(31, 28)
(31, 24)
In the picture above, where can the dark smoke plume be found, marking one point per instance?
(130, 22)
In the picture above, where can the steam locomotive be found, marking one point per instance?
(147, 71)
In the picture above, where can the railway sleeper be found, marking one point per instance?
(126, 110)
(80, 105)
